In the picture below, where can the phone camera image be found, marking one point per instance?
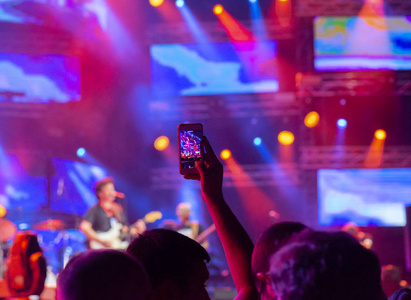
(190, 148)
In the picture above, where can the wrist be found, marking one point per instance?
(213, 198)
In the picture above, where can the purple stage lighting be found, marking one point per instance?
(257, 141)
(81, 152)
(342, 123)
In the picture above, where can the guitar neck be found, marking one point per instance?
(202, 236)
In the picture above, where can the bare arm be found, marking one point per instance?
(237, 245)
(91, 235)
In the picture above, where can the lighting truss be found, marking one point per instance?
(312, 8)
(17, 38)
(164, 33)
(345, 157)
(233, 106)
(358, 83)
(256, 175)
(22, 110)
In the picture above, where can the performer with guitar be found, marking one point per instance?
(105, 222)
(187, 227)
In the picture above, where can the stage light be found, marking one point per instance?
(161, 143)
(257, 141)
(252, 1)
(342, 123)
(24, 226)
(273, 214)
(156, 3)
(403, 283)
(312, 119)
(380, 134)
(3, 211)
(180, 3)
(218, 9)
(286, 138)
(225, 154)
(81, 152)
(234, 29)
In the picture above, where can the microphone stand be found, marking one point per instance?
(124, 204)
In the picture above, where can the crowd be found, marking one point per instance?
(288, 262)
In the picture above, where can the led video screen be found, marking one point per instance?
(214, 69)
(367, 197)
(39, 78)
(73, 186)
(41, 12)
(362, 43)
(18, 188)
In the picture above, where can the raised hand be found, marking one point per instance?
(237, 244)
(210, 173)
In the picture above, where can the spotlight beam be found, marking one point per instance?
(234, 29)
(375, 153)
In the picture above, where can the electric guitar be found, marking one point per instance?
(116, 237)
(202, 236)
(113, 236)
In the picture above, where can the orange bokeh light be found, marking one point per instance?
(225, 154)
(218, 9)
(286, 138)
(3, 211)
(380, 134)
(156, 3)
(312, 119)
(161, 143)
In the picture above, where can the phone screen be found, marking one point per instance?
(190, 148)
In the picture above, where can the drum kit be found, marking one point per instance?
(58, 242)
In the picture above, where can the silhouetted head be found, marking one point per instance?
(103, 275)
(175, 264)
(270, 241)
(323, 266)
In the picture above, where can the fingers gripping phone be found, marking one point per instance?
(190, 148)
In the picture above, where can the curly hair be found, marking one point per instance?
(323, 266)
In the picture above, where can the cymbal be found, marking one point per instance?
(50, 224)
(7, 230)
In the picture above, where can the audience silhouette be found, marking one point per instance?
(176, 264)
(270, 241)
(288, 262)
(322, 265)
(103, 275)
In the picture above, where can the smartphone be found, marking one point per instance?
(190, 138)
